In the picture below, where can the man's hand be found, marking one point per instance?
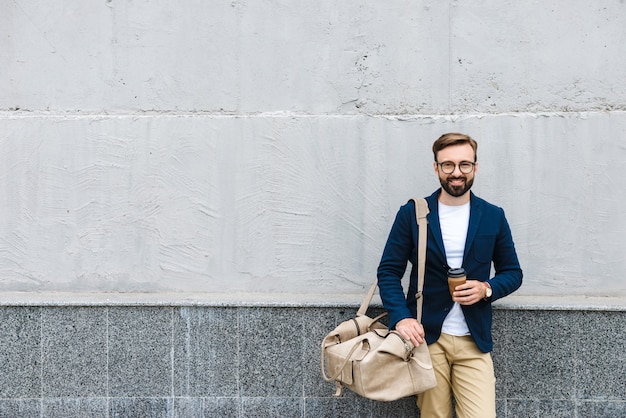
(469, 293)
(411, 330)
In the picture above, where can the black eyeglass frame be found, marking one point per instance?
(467, 164)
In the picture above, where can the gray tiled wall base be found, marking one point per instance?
(116, 361)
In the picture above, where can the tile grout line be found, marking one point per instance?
(303, 344)
(238, 339)
(41, 358)
(108, 369)
(172, 365)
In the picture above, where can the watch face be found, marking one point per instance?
(488, 292)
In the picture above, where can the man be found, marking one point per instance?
(463, 231)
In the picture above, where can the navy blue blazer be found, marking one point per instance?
(488, 240)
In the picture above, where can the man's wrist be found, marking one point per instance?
(487, 292)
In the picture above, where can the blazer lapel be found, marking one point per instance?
(433, 223)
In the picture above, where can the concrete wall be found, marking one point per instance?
(264, 147)
(181, 180)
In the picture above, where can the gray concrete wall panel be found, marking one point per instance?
(397, 57)
(292, 204)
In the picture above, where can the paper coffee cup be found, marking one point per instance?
(456, 277)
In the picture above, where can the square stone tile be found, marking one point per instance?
(601, 355)
(140, 407)
(604, 409)
(140, 352)
(187, 407)
(206, 352)
(319, 322)
(206, 407)
(402, 408)
(556, 408)
(272, 407)
(271, 352)
(522, 408)
(75, 408)
(500, 351)
(540, 355)
(22, 408)
(339, 407)
(500, 408)
(74, 345)
(221, 407)
(20, 352)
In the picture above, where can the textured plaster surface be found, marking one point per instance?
(245, 149)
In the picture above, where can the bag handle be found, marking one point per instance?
(340, 368)
(368, 298)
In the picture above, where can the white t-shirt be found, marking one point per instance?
(454, 222)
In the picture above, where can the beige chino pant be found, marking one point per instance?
(464, 371)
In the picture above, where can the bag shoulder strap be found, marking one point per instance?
(421, 210)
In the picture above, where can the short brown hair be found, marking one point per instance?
(454, 138)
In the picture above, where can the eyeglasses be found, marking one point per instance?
(448, 167)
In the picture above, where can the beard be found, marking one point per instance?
(456, 191)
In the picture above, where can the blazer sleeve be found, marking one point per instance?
(508, 273)
(398, 250)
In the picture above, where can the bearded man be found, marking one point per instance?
(464, 231)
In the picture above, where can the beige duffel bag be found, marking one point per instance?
(364, 356)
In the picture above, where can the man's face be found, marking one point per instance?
(456, 183)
